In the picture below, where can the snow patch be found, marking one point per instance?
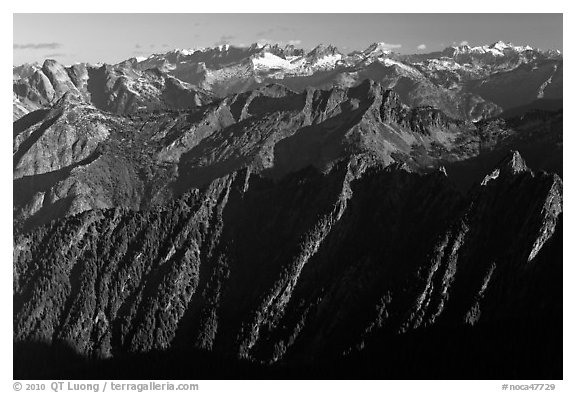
(328, 61)
(270, 61)
(389, 63)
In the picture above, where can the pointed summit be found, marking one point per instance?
(323, 50)
(291, 50)
(513, 164)
(377, 49)
(500, 45)
(256, 46)
(323, 57)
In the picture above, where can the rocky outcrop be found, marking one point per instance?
(59, 79)
(117, 89)
(63, 136)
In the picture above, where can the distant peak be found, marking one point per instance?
(50, 63)
(185, 52)
(377, 47)
(500, 45)
(323, 50)
(498, 48)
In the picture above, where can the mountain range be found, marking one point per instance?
(271, 212)
(468, 83)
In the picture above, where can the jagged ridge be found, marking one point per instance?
(464, 82)
(312, 267)
(73, 157)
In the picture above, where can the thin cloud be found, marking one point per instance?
(265, 32)
(464, 43)
(53, 55)
(264, 41)
(421, 47)
(41, 45)
(137, 46)
(390, 46)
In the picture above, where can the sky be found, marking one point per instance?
(111, 38)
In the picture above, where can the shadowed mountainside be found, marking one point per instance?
(310, 268)
(268, 212)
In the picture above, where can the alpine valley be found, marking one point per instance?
(270, 212)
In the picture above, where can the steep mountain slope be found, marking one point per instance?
(522, 85)
(74, 157)
(311, 267)
(270, 212)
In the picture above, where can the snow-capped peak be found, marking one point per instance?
(377, 48)
(267, 60)
(257, 46)
(186, 52)
(496, 49)
(501, 45)
(323, 50)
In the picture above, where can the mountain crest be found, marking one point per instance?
(513, 164)
(377, 47)
(322, 51)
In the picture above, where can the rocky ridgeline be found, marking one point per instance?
(347, 220)
(464, 82)
(308, 268)
(73, 157)
(116, 88)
